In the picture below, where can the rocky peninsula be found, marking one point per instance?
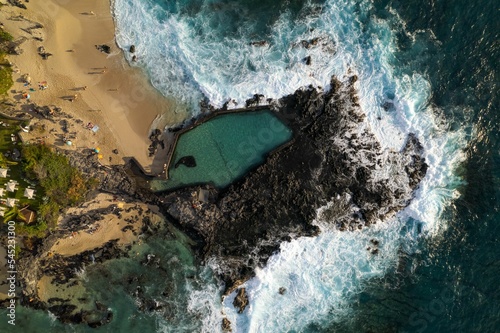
(333, 160)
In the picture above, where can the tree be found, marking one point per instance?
(14, 214)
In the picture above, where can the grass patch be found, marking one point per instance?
(5, 36)
(6, 81)
(56, 183)
(63, 185)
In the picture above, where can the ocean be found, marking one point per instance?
(424, 67)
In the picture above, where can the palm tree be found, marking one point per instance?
(4, 162)
(14, 214)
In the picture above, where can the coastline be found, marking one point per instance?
(118, 98)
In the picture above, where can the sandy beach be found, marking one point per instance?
(85, 86)
(90, 85)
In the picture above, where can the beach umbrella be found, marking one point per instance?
(99, 156)
(97, 150)
(69, 143)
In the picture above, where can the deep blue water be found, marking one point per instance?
(436, 62)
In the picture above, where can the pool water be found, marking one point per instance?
(224, 148)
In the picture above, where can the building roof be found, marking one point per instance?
(10, 186)
(3, 172)
(29, 193)
(11, 202)
(29, 215)
(203, 195)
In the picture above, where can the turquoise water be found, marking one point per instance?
(171, 275)
(224, 148)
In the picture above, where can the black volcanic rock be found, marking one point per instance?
(333, 159)
(104, 48)
(188, 161)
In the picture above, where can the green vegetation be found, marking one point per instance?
(6, 81)
(5, 36)
(62, 184)
(57, 185)
(14, 213)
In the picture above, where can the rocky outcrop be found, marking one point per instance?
(115, 179)
(334, 161)
(104, 48)
(17, 3)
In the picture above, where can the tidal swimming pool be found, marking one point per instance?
(224, 148)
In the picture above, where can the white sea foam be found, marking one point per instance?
(321, 274)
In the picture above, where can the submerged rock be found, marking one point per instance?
(188, 161)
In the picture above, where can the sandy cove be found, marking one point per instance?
(125, 229)
(118, 98)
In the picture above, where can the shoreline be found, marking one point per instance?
(117, 97)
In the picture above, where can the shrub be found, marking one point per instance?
(63, 184)
(5, 36)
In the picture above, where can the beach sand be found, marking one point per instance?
(109, 228)
(118, 98)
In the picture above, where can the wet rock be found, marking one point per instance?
(307, 60)
(259, 43)
(332, 155)
(132, 49)
(226, 325)
(282, 291)
(256, 100)
(241, 300)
